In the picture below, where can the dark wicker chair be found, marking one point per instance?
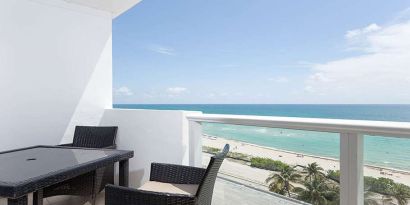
(91, 183)
(194, 185)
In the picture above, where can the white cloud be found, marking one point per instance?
(162, 50)
(357, 39)
(362, 31)
(280, 79)
(379, 75)
(319, 77)
(402, 16)
(123, 91)
(174, 91)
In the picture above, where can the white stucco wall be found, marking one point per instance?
(55, 70)
(56, 73)
(154, 135)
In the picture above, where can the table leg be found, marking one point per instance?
(38, 197)
(98, 179)
(124, 173)
(18, 201)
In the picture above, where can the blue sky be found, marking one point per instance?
(262, 51)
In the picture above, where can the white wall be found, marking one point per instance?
(154, 135)
(55, 70)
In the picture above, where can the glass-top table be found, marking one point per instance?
(27, 170)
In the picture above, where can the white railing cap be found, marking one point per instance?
(367, 127)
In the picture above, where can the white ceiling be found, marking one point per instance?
(116, 7)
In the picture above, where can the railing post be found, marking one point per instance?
(195, 144)
(351, 169)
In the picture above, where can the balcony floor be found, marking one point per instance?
(226, 193)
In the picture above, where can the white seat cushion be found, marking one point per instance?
(186, 189)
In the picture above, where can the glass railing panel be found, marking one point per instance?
(386, 170)
(285, 164)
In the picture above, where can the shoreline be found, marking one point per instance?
(295, 158)
(395, 170)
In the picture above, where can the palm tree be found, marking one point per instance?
(368, 198)
(333, 195)
(313, 170)
(333, 175)
(281, 183)
(386, 199)
(317, 192)
(401, 193)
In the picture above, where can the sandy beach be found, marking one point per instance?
(301, 159)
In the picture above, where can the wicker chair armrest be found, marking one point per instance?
(66, 145)
(177, 174)
(117, 195)
(71, 145)
(111, 147)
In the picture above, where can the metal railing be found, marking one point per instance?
(351, 141)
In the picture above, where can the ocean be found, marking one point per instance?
(378, 150)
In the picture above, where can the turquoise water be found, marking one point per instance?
(380, 151)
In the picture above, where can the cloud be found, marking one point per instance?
(162, 50)
(357, 39)
(123, 91)
(280, 79)
(174, 91)
(362, 31)
(402, 16)
(319, 77)
(379, 75)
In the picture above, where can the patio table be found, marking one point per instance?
(29, 170)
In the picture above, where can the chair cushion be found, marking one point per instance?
(186, 189)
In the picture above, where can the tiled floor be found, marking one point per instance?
(64, 200)
(230, 193)
(226, 193)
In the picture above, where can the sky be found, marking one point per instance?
(263, 52)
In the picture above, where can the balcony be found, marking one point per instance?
(179, 133)
(56, 73)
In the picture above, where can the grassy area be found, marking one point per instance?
(232, 155)
(268, 164)
(210, 150)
